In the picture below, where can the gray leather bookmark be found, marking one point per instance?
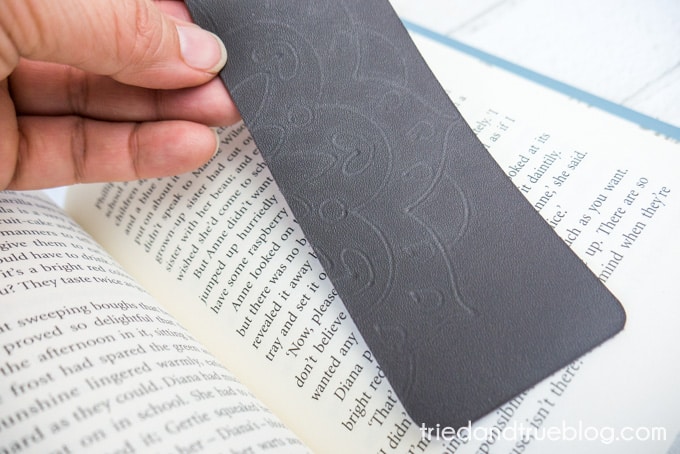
(462, 291)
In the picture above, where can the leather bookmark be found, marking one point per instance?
(462, 291)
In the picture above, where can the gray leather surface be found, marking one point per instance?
(462, 291)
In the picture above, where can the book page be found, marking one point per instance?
(220, 249)
(610, 191)
(90, 363)
(218, 246)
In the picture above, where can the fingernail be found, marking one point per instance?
(217, 139)
(201, 49)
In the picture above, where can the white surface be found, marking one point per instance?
(626, 51)
(58, 195)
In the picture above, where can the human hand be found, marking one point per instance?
(101, 90)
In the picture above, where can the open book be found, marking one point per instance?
(198, 319)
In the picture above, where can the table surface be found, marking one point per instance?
(625, 51)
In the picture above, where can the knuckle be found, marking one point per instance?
(147, 40)
(78, 89)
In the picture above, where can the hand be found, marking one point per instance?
(101, 90)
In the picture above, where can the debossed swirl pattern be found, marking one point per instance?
(373, 174)
(396, 195)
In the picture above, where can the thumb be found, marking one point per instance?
(129, 40)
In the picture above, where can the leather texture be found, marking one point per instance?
(462, 291)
